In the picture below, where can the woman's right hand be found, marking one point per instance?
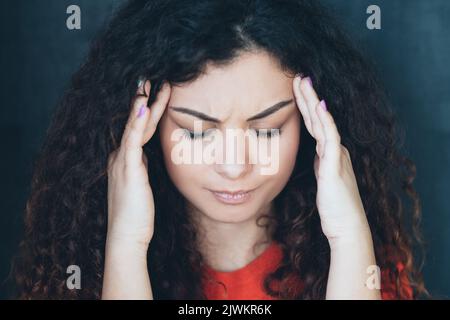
(131, 208)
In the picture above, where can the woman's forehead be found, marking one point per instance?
(250, 83)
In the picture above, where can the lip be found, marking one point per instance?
(232, 197)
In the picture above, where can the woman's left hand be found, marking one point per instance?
(341, 210)
(338, 200)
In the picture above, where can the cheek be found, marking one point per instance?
(165, 132)
(273, 184)
(290, 143)
(287, 152)
(181, 174)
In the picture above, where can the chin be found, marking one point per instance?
(227, 213)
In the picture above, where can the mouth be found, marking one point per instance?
(232, 197)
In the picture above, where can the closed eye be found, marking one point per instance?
(267, 133)
(260, 133)
(193, 135)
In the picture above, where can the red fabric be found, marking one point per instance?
(247, 283)
(388, 291)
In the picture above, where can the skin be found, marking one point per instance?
(233, 94)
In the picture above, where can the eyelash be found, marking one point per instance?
(200, 135)
(194, 135)
(268, 132)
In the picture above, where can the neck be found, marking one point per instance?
(230, 246)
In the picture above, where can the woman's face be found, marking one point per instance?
(223, 110)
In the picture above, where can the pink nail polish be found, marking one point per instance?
(323, 105)
(309, 81)
(142, 110)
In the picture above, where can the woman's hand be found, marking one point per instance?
(338, 200)
(130, 199)
(131, 208)
(341, 211)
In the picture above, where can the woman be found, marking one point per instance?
(109, 195)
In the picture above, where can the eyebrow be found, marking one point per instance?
(260, 115)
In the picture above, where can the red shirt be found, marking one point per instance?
(246, 283)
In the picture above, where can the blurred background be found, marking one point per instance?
(411, 52)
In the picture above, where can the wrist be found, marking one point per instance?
(126, 246)
(353, 238)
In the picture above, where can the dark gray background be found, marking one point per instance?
(412, 53)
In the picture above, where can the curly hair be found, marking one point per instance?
(173, 40)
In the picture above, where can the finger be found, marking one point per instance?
(331, 133)
(312, 101)
(133, 136)
(157, 110)
(329, 126)
(301, 104)
(142, 92)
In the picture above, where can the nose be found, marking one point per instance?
(232, 171)
(235, 162)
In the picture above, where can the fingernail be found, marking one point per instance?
(140, 82)
(308, 79)
(142, 110)
(323, 105)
